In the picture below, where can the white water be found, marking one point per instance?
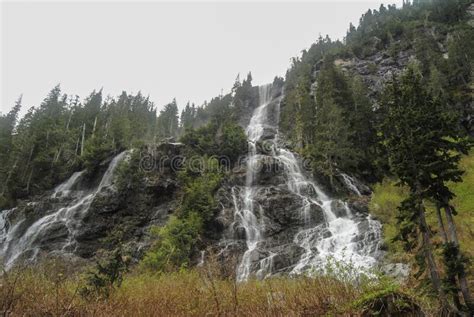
(351, 184)
(65, 188)
(13, 245)
(338, 238)
(245, 215)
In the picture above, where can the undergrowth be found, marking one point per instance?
(47, 290)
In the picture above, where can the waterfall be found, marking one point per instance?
(64, 189)
(245, 216)
(351, 184)
(14, 243)
(341, 236)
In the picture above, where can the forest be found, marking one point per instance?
(391, 105)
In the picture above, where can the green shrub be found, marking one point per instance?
(105, 276)
(386, 197)
(175, 243)
(388, 301)
(233, 141)
(178, 240)
(199, 190)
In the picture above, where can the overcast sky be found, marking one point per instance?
(187, 50)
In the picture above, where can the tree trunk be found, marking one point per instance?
(83, 135)
(9, 176)
(429, 258)
(462, 274)
(29, 180)
(444, 235)
(95, 123)
(28, 163)
(69, 120)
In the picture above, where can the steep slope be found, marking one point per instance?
(280, 219)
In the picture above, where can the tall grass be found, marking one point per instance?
(45, 290)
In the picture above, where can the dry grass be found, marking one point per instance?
(45, 291)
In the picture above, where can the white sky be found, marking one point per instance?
(187, 50)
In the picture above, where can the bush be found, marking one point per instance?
(105, 276)
(233, 142)
(199, 190)
(387, 302)
(175, 243)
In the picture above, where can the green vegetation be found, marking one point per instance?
(387, 196)
(178, 242)
(100, 281)
(424, 146)
(62, 135)
(318, 86)
(385, 200)
(408, 139)
(218, 139)
(415, 129)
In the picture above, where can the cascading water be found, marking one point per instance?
(65, 188)
(245, 216)
(341, 235)
(16, 240)
(351, 184)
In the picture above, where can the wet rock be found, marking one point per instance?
(281, 206)
(53, 237)
(286, 257)
(270, 171)
(339, 208)
(399, 271)
(359, 205)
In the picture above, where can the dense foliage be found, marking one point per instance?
(416, 128)
(178, 241)
(322, 86)
(63, 135)
(414, 125)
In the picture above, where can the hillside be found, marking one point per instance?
(345, 188)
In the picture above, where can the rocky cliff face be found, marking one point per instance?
(278, 220)
(271, 215)
(83, 215)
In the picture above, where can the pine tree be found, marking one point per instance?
(423, 147)
(168, 122)
(8, 161)
(332, 149)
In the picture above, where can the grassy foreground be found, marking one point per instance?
(48, 290)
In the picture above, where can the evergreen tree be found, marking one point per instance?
(331, 150)
(8, 163)
(168, 121)
(423, 147)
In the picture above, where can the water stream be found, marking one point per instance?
(17, 241)
(339, 237)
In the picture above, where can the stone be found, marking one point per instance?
(399, 271)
